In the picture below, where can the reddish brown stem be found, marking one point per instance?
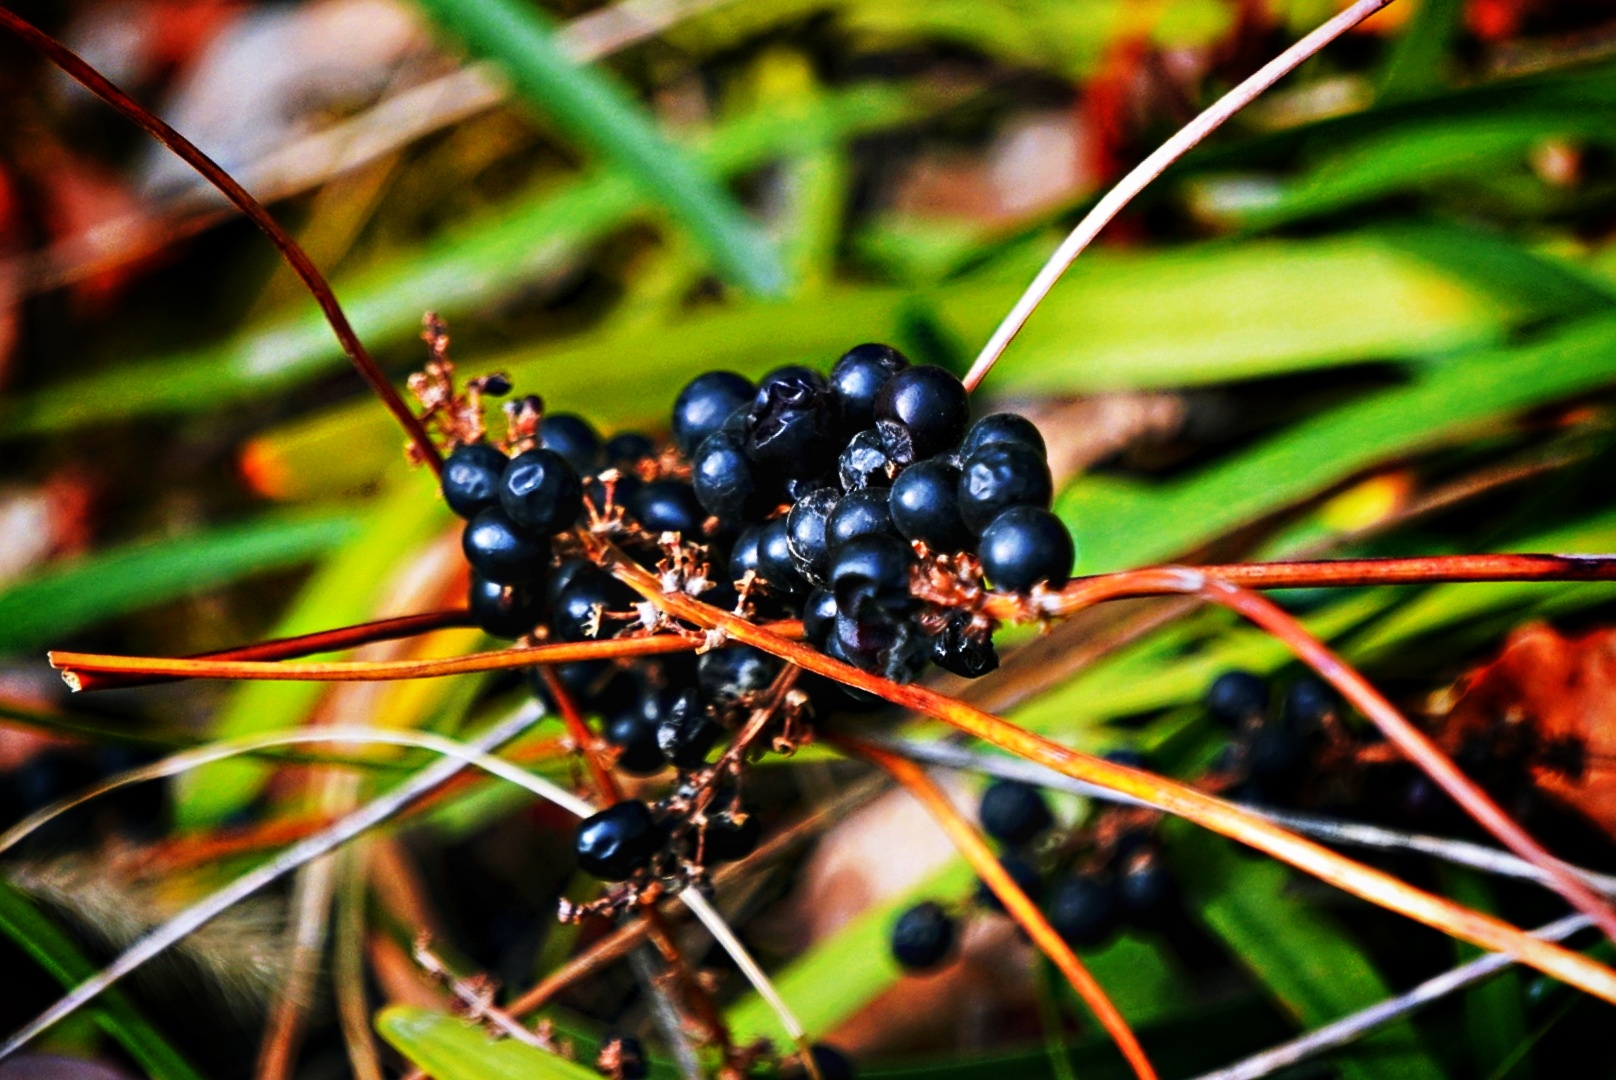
(1015, 900)
(287, 648)
(296, 257)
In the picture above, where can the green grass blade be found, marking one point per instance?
(451, 1048)
(48, 607)
(591, 107)
(53, 950)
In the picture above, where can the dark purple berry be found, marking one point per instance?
(1308, 706)
(865, 462)
(498, 551)
(561, 577)
(807, 527)
(574, 438)
(623, 1057)
(1084, 910)
(860, 513)
(1024, 546)
(1236, 697)
(736, 671)
(925, 506)
(774, 562)
(892, 647)
(725, 479)
(798, 487)
(705, 403)
(819, 616)
(1146, 890)
(685, 731)
(743, 557)
(729, 839)
(795, 373)
(859, 376)
(1022, 872)
(1274, 755)
(471, 478)
(793, 428)
(590, 596)
(997, 477)
(1013, 812)
(923, 936)
(921, 412)
(541, 492)
(505, 611)
(964, 648)
(621, 839)
(871, 574)
(668, 506)
(635, 738)
(1000, 428)
(626, 448)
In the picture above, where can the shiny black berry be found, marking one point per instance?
(858, 378)
(869, 576)
(1308, 706)
(588, 597)
(1084, 910)
(622, 1057)
(994, 478)
(635, 737)
(621, 839)
(471, 478)
(505, 611)
(705, 403)
(1001, 428)
(1022, 872)
(668, 506)
(1236, 697)
(1013, 812)
(574, 438)
(743, 557)
(726, 480)
(685, 730)
(925, 506)
(1024, 546)
(923, 936)
(807, 533)
(500, 552)
(731, 837)
(865, 463)
(735, 671)
(626, 448)
(774, 562)
(964, 648)
(921, 412)
(819, 616)
(1146, 890)
(794, 427)
(541, 492)
(861, 513)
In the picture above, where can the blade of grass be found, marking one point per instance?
(593, 108)
(448, 1048)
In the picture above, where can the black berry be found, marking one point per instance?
(807, 527)
(1024, 546)
(743, 557)
(921, 412)
(726, 675)
(725, 480)
(471, 478)
(621, 839)
(685, 731)
(794, 427)
(870, 574)
(505, 611)
(1308, 706)
(635, 737)
(1084, 910)
(819, 616)
(541, 492)
(999, 476)
(731, 837)
(668, 506)
(964, 648)
(860, 513)
(865, 462)
(774, 562)
(1000, 428)
(923, 936)
(1146, 889)
(705, 403)
(626, 448)
(1236, 697)
(500, 552)
(1013, 812)
(1022, 872)
(581, 607)
(925, 506)
(859, 376)
(574, 438)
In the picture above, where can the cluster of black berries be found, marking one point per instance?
(1270, 751)
(1089, 882)
(877, 466)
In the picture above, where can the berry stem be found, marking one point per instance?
(1112, 203)
(295, 256)
(1207, 811)
(1020, 907)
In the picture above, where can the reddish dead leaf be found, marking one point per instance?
(1548, 706)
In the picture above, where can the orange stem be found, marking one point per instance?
(1016, 902)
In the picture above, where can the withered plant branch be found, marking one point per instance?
(583, 738)
(773, 698)
(476, 998)
(295, 256)
(348, 965)
(73, 664)
(1202, 809)
(287, 648)
(1340, 1032)
(1112, 203)
(1016, 902)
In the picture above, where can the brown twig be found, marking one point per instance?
(295, 256)
(1016, 902)
(1187, 137)
(1202, 809)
